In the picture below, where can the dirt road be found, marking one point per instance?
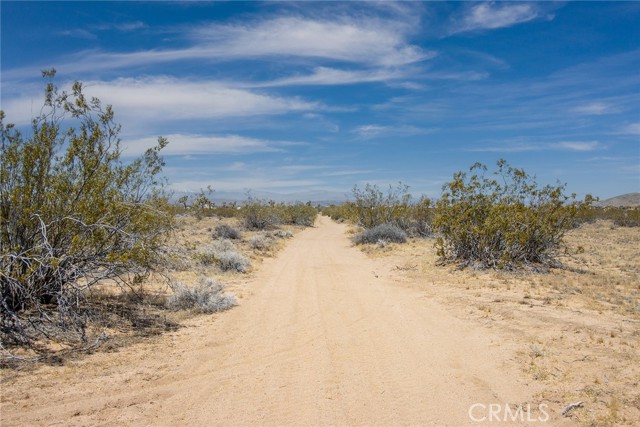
(322, 339)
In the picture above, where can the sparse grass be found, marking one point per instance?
(577, 325)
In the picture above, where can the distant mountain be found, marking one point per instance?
(625, 201)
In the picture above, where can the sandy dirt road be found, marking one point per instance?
(322, 339)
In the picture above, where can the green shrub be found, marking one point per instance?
(227, 210)
(339, 213)
(624, 217)
(503, 221)
(260, 214)
(372, 207)
(621, 216)
(381, 233)
(299, 214)
(71, 213)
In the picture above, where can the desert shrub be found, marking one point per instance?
(206, 296)
(339, 213)
(381, 233)
(227, 210)
(261, 241)
(232, 261)
(621, 216)
(222, 253)
(299, 214)
(260, 214)
(502, 221)
(72, 214)
(372, 207)
(225, 231)
(420, 218)
(626, 217)
(283, 234)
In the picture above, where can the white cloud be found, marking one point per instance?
(517, 147)
(492, 16)
(185, 144)
(576, 145)
(373, 131)
(332, 76)
(366, 40)
(163, 99)
(631, 129)
(594, 108)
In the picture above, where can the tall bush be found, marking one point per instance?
(72, 214)
(503, 220)
(372, 207)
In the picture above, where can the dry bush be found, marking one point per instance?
(261, 241)
(207, 296)
(225, 231)
(222, 253)
(381, 233)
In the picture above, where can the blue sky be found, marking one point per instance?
(300, 97)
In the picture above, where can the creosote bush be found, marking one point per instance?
(381, 233)
(207, 296)
(504, 220)
(262, 214)
(372, 207)
(72, 214)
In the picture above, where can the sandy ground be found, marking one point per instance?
(322, 336)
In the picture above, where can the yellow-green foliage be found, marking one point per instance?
(623, 217)
(299, 214)
(372, 207)
(503, 220)
(261, 214)
(71, 213)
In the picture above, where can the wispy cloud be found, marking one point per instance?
(594, 108)
(375, 131)
(120, 26)
(631, 129)
(487, 16)
(368, 40)
(79, 33)
(333, 76)
(185, 144)
(517, 147)
(168, 99)
(576, 145)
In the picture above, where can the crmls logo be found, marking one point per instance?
(496, 412)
